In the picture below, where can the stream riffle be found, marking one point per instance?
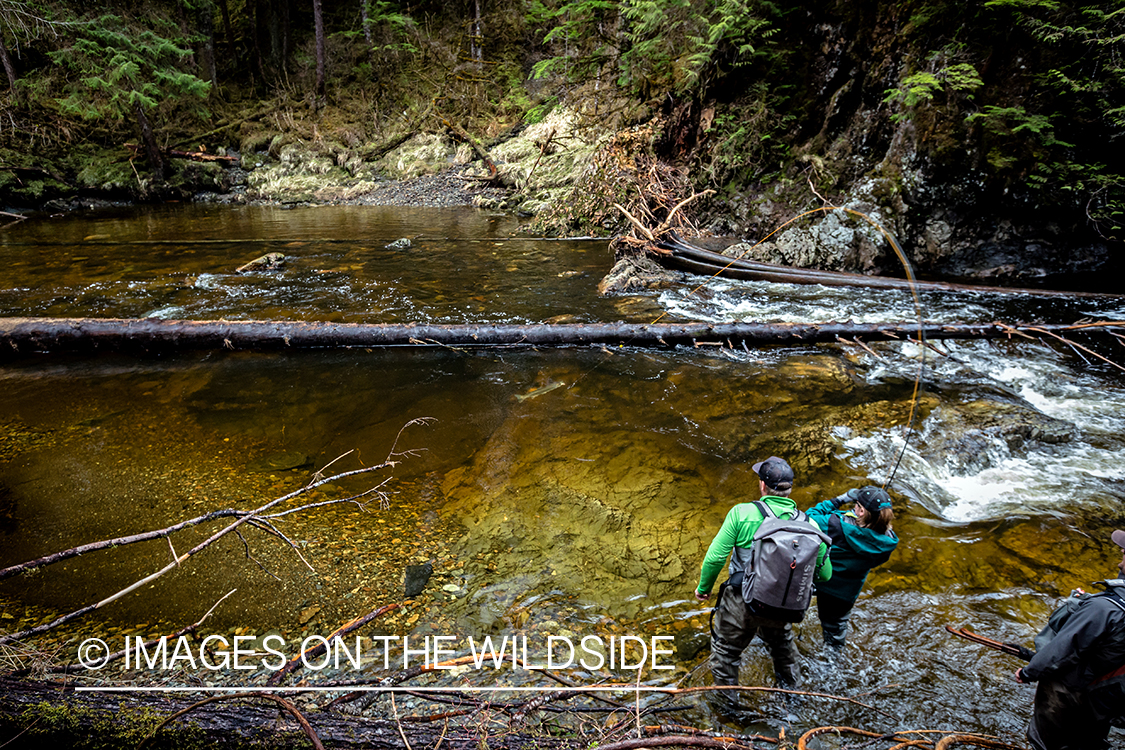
(567, 492)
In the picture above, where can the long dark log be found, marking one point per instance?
(26, 336)
(684, 256)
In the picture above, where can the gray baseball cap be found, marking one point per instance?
(775, 472)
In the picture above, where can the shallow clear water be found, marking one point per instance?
(570, 491)
(463, 265)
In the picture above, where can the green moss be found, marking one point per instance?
(21, 191)
(256, 141)
(195, 176)
(92, 729)
(102, 169)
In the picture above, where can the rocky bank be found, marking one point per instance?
(565, 175)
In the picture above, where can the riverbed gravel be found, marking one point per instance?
(450, 188)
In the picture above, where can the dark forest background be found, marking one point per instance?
(1017, 104)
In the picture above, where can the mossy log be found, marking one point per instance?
(36, 714)
(146, 336)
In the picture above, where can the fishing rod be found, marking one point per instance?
(1014, 649)
(911, 281)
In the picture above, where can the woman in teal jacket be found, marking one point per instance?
(861, 539)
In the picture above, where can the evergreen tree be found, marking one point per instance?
(121, 69)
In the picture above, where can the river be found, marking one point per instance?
(568, 492)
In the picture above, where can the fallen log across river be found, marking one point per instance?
(678, 254)
(21, 337)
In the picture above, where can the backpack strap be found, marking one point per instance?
(767, 512)
(1115, 596)
(1114, 591)
(835, 530)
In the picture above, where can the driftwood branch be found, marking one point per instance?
(462, 135)
(667, 223)
(217, 724)
(343, 630)
(682, 740)
(261, 522)
(76, 668)
(55, 715)
(394, 679)
(120, 541)
(247, 517)
(639, 226)
(192, 155)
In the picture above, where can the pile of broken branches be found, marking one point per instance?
(235, 720)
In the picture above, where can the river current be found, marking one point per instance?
(568, 492)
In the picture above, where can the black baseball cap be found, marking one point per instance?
(775, 472)
(873, 499)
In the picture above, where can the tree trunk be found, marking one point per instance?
(9, 69)
(285, 34)
(318, 26)
(256, 41)
(367, 28)
(225, 10)
(155, 160)
(476, 32)
(208, 66)
(26, 336)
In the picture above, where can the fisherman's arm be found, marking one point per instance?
(716, 556)
(820, 512)
(1081, 632)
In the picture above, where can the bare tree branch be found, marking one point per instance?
(243, 517)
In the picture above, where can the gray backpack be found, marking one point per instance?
(779, 578)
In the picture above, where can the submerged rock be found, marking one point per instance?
(283, 461)
(267, 262)
(634, 274)
(415, 579)
(965, 436)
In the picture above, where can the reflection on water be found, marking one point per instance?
(463, 265)
(571, 491)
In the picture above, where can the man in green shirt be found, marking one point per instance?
(734, 624)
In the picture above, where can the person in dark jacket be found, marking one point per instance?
(861, 540)
(1072, 711)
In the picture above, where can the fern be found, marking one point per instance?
(922, 87)
(655, 46)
